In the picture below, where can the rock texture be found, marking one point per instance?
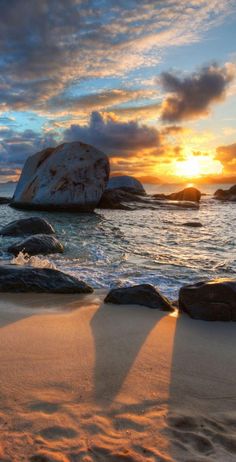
(29, 279)
(40, 244)
(118, 199)
(187, 194)
(33, 225)
(226, 194)
(143, 294)
(126, 183)
(70, 177)
(210, 300)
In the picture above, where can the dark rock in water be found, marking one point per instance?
(70, 177)
(117, 199)
(226, 194)
(5, 200)
(193, 224)
(126, 183)
(187, 194)
(29, 279)
(40, 244)
(210, 300)
(143, 294)
(33, 225)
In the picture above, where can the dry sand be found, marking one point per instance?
(83, 381)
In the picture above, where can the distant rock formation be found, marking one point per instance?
(226, 194)
(30, 279)
(27, 226)
(126, 183)
(40, 244)
(210, 300)
(70, 177)
(187, 194)
(142, 294)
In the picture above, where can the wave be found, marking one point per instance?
(23, 259)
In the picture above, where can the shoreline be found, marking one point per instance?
(81, 380)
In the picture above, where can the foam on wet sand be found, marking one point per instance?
(83, 381)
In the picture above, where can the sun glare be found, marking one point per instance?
(197, 166)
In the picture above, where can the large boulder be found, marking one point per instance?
(40, 244)
(126, 183)
(226, 194)
(210, 300)
(24, 226)
(70, 177)
(143, 294)
(187, 194)
(30, 279)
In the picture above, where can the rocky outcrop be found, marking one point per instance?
(210, 300)
(40, 244)
(30, 279)
(118, 199)
(143, 294)
(126, 183)
(226, 194)
(187, 194)
(5, 200)
(70, 177)
(32, 225)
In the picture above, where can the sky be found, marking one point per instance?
(151, 83)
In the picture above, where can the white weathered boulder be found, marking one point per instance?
(70, 177)
(127, 183)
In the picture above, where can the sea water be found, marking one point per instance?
(111, 248)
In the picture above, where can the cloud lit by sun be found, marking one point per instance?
(196, 166)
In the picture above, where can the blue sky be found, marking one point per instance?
(159, 74)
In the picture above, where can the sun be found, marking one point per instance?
(197, 166)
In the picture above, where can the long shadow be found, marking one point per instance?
(202, 396)
(117, 346)
(18, 306)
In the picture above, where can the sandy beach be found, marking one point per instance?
(84, 381)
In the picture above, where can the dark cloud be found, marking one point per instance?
(15, 147)
(226, 154)
(192, 96)
(114, 136)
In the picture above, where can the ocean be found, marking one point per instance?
(111, 248)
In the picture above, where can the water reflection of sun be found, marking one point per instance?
(195, 166)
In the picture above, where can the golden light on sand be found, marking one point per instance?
(196, 166)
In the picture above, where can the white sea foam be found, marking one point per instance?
(24, 259)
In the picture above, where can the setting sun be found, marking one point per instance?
(196, 166)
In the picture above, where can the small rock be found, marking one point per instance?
(143, 294)
(30, 279)
(193, 224)
(213, 300)
(32, 225)
(40, 244)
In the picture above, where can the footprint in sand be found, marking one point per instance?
(57, 433)
(43, 406)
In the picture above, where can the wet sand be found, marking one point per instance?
(83, 381)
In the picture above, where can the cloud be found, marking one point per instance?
(192, 96)
(226, 154)
(113, 136)
(46, 46)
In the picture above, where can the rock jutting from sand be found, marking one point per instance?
(70, 177)
(187, 194)
(126, 183)
(32, 225)
(193, 224)
(226, 194)
(213, 300)
(143, 294)
(30, 279)
(40, 244)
